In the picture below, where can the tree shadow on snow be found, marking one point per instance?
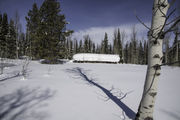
(10, 77)
(79, 72)
(25, 104)
(6, 65)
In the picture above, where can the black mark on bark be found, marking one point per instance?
(153, 94)
(148, 118)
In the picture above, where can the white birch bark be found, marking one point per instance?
(146, 107)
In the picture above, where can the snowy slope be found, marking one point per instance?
(96, 57)
(76, 91)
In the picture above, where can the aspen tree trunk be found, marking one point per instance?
(146, 107)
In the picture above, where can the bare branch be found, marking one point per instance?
(142, 23)
(172, 26)
(172, 63)
(172, 21)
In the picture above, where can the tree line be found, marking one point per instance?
(133, 51)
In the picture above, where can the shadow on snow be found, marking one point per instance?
(79, 71)
(24, 104)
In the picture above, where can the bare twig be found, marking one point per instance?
(143, 23)
(172, 26)
(171, 63)
(172, 21)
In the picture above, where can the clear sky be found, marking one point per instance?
(90, 15)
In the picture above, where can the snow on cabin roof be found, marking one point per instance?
(96, 57)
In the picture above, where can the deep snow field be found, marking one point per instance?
(81, 91)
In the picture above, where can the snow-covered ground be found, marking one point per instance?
(88, 91)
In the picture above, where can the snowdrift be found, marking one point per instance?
(99, 58)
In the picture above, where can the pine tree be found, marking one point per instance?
(75, 46)
(86, 44)
(145, 52)
(47, 27)
(11, 40)
(52, 26)
(123, 36)
(89, 45)
(23, 45)
(93, 48)
(126, 53)
(134, 46)
(110, 50)
(4, 31)
(71, 49)
(1, 36)
(80, 47)
(130, 60)
(98, 49)
(1, 52)
(67, 53)
(33, 27)
(140, 54)
(104, 45)
(119, 43)
(166, 45)
(18, 31)
(115, 48)
(175, 47)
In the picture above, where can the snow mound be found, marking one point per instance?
(96, 57)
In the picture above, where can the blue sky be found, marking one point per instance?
(93, 16)
(83, 14)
